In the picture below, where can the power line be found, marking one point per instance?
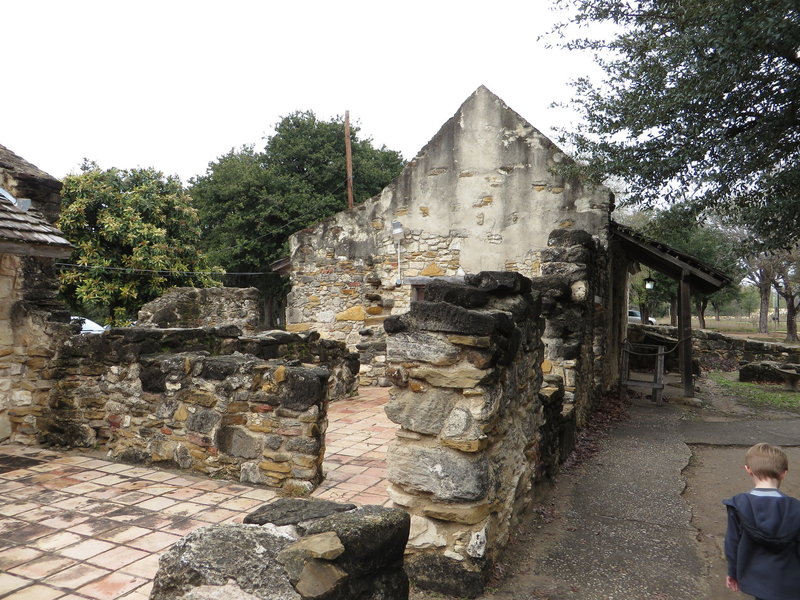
(161, 272)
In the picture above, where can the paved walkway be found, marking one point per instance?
(74, 526)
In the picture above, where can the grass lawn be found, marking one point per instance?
(758, 394)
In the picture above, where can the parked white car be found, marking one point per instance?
(634, 316)
(87, 325)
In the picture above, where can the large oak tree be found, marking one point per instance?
(251, 201)
(700, 104)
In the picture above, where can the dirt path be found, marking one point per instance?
(715, 472)
(643, 518)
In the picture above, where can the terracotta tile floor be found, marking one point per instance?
(73, 526)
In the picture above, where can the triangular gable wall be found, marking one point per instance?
(481, 195)
(485, 182)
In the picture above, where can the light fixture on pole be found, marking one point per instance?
(398, 234)
(649, 283)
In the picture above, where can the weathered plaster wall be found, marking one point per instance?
(481, 195)
(478, 429)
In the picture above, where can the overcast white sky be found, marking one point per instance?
(174, 84)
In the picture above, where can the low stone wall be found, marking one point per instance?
(291, 550)
(477, 427)
(208, 400)
(711, 347)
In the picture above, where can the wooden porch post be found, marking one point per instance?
(685, 335)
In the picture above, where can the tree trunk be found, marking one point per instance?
(791, 318)
(701, 305)
(763, 310)
(645, 313)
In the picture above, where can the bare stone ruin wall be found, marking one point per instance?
(478, 430)
(576, 337)
(251, 408)
(30, 328)
(348, 299)
(711, 346)
(203, 307)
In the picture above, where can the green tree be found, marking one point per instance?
(787, 285)
(250, 202)
(715, 245)
(700, 104)
(136, 235)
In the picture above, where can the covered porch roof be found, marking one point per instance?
(667, 260)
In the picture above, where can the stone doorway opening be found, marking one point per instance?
(356, 442)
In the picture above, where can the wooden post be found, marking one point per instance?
(685, 335)
(348, 153)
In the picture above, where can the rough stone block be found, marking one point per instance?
(203, 420)
(354, 313)
(438, 573)
(291, 511)
(374, 537)
(238, 442)
(423, 413)
(244, 554)
(499, 282)
(448, 475)
(302, 388)
(466, 296)
(421, 346)
(461, 376)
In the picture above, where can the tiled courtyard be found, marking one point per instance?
(76, 526)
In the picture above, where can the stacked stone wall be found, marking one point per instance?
(208, 400)
(483, 194)
(348, 299)
(32, 324)
(204, 307)
(715, 349)
(478, 429)
(573, 271)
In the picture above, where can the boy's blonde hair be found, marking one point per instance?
(766, 461)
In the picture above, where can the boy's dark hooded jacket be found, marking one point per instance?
(762, 544)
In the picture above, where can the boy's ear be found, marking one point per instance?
(782, 475)
(749, 471)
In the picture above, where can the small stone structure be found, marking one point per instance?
(32, 321)
(478, 429)
(204, 307)
(291, 550)
(251, 408)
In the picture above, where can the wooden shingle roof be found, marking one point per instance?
(27, 233)
(22, 169)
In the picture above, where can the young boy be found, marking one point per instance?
(762, 543)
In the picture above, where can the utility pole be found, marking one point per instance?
(348, 153)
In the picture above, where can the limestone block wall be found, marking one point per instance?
(207, 400)
(32, 324)
(478, 430)
(483, 194)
